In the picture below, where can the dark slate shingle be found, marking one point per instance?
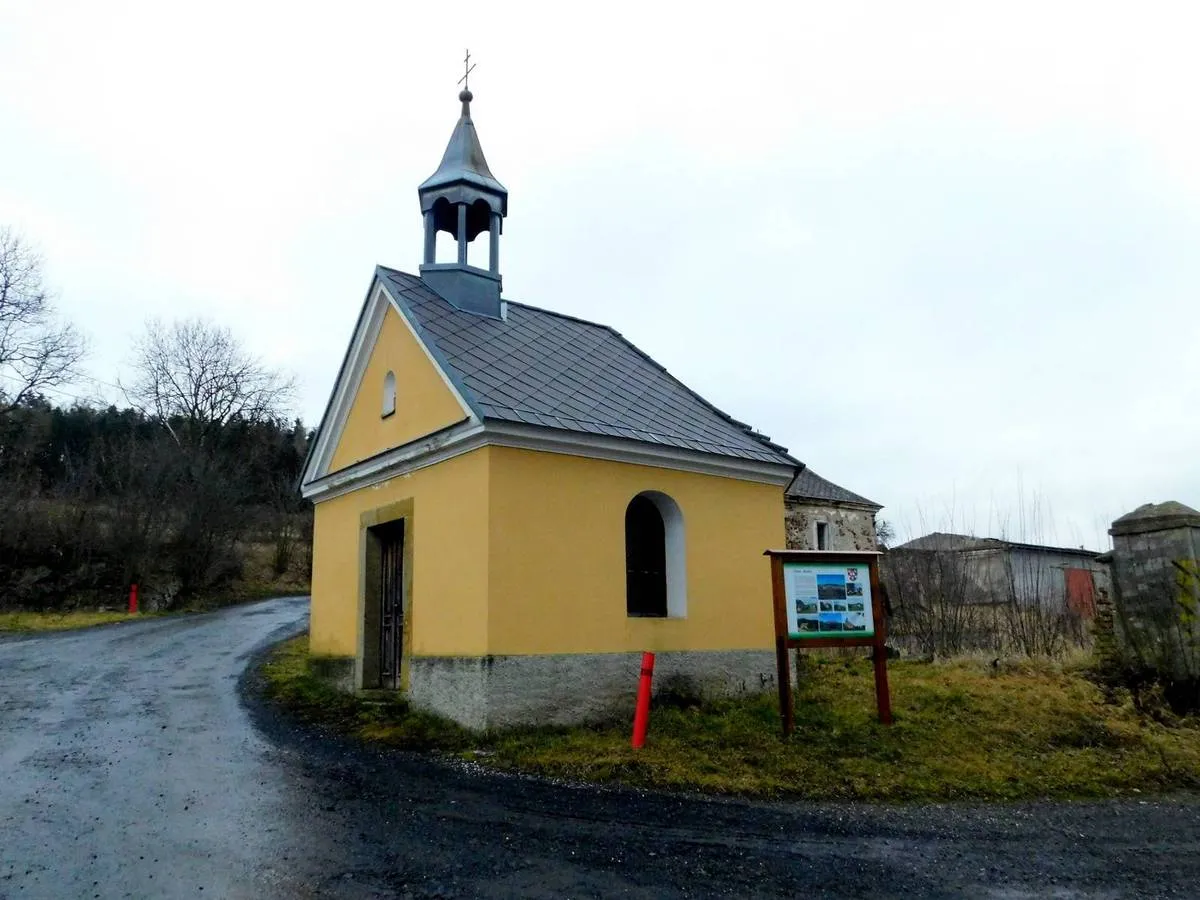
(808, 485)
(544, 368)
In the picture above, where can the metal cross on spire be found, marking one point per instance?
(468, 67)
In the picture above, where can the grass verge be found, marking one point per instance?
(32, 622)
(963, 731)
(385, 719)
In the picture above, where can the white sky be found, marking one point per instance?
(945, 252)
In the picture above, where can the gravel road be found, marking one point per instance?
(138, 761)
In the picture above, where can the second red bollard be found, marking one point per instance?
(133, 605)
(641, 718)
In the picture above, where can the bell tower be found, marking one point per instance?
(464, 199)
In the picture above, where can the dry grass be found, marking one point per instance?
(30, 622)
(964, 730)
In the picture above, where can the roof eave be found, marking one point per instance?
(824, 501)
(469, 435)
(556, 440)
(450, 179)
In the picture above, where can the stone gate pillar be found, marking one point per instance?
(1156, 578)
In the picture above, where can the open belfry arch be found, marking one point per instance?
(512, 504)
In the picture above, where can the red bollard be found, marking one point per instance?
(641, 718)
(133, 598)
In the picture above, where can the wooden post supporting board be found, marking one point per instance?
(787, 703)
(828, 599)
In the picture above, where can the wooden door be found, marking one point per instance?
(391, 604)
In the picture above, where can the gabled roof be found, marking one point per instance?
(941, 540)
(546, 369)
(808, 485)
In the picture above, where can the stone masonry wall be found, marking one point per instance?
(850, 528)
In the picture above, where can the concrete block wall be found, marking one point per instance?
(1148, 590)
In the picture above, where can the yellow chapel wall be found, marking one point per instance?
(424, 404)
(557, 557)
(446, 532)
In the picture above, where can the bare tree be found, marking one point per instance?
(885, 534)
(1037, 619)
(197, 375)
(937, 599)
(36, 351)
(198, 381)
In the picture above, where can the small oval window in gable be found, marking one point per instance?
(389, 394)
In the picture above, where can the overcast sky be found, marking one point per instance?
(945, 252)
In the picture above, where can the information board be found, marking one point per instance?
(828, 600)
(822, 599)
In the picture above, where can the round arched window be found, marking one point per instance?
(655, 557)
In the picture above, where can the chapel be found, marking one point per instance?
(512, 504)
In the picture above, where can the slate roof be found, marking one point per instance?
(808, 485)
(547, 369)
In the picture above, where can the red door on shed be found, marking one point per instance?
(1081, 592)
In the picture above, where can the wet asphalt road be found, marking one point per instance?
(137, 761)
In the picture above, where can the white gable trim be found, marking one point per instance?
(471, 435)
(455, 441)
(361, 346)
